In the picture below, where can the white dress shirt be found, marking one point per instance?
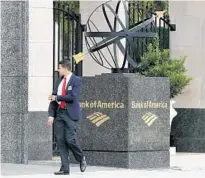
(61, 84)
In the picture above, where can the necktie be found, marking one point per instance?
(63, 104)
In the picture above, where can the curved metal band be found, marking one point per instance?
(120, 34)
(111, 39)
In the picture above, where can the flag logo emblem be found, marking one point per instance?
(149, 118)
(98, 118)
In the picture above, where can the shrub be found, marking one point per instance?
(158, 63)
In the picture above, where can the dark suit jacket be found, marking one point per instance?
(71, 98)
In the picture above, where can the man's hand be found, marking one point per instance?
(50, 121)
(52, 97)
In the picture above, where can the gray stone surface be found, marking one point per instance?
(11, 156)
(114, 128)
(155, 137)
(40, 137)
(125, 130)
(13, 18)
(14, 138)
(14, 81)
(24, 139)
(14, 36)
(14, 94)
(10, 129)
(188, 130)
(131, 160)
(12, 50)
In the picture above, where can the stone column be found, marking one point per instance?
(14, 81)
(40, 77)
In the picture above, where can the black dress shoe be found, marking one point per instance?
(83, 164)
(61, 173)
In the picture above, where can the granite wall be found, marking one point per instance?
(188, 130)
(14, 81)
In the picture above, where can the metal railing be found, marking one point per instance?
(67, 36)
(140, 11)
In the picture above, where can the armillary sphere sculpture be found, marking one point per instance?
(104, 46)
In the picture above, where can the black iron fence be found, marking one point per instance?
(67, 35)
(140, 11)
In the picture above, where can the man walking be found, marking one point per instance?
(68, 112)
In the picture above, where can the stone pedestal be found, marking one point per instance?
(125, 121)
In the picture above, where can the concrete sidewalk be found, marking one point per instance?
(182, 164)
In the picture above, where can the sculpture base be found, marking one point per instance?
(119, 70)
(125, 121)
(128, 159)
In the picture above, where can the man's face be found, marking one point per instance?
(61, 70)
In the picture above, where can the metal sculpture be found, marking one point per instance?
(100, 43)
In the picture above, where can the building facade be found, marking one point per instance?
(27, 78)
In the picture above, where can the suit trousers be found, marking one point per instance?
(65, 129)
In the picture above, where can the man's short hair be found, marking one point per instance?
(65, 64)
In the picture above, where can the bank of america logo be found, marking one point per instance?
(98, 118)
(149, 118)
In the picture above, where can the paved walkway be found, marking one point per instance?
(182, 165)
